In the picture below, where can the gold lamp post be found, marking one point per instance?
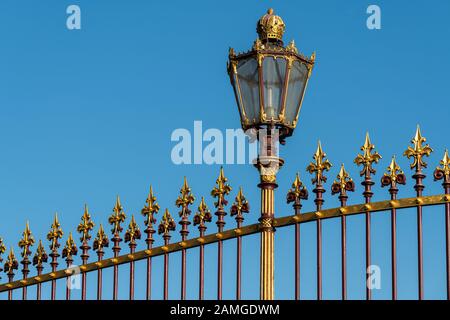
(269, 83)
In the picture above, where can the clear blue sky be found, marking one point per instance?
(87, 114)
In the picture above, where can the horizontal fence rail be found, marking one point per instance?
(232, 234)
(266, 226)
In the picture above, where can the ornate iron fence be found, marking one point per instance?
(344, 184)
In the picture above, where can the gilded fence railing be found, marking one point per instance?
(298, 193)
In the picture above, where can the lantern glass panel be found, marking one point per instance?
(274, 71)
(296, 88)
(249, 89)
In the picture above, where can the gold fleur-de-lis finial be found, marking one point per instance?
(342, 178)
(86, 225)
(444, 171)
(393, 169)
(298, 191)
(343, 183)
(2, 251)
(319, 165)
(133, 233)
(367, 158)
(2, 248)
(11, 263)
(117, 217)
(185, 199)
(70, 249)
(445, 163)
(150, 209)
(418, 151)
(40, 256)
(55, 233)
(240, 206)
(394, 175)
(101, 240)
(203, 215)
(221, 190)
(26, 242)
(167, 224)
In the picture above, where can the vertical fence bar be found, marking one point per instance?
(366, 159)
(99, 276)
(132, 248)
(201, 270)
(439, 174)
(393, 177)
(166, 269)
(25, 243)
(343, 184)
(239, 207)
(116, 249)
(54, 235)
(100, 241)
(203, 215)
(149, 210)
(11, 265)
(167, 224)
(116, 218)
(295, 195)
(183, 202)
(39, 258)
(219, 192)
(131, 235)
(70, 249)
(318, 167)
(84, 228)
(417, 152)
(84, 258)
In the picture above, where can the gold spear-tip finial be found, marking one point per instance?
(319, 165)
(133, 233)
(101, 240)
(150, 209)
(418, 151)
(55, 233)
(203, 214)
(367, 158)
(26, 242)
(86, 225)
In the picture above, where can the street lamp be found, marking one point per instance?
(269, 83)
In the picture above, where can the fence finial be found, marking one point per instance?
(54, 234)
(101, 240)
(86, 225)
(297, 193)
(11, 264)
(150, 209)
(117, 217)
(167, 224)
(317, 168)
(319, 165)
(40, 257)
(343, 184)
(2, 251)
(203, 215)
(183, 201)
(239, 207)
(133, 233)
(418, 151)
(444, 172)
(70, 249)
(221, 190)
(26, 242)
(367, 158)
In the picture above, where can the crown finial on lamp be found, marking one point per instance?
(270, 27)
